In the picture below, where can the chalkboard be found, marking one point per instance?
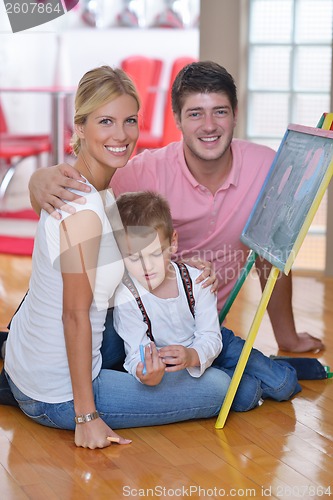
(290, 196)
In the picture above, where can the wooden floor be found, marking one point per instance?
(279, 450)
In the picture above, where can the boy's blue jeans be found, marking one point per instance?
(262, 378)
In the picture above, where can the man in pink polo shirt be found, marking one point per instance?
(211, 182)
(208, 221)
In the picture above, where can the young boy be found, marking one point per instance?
(158, 305)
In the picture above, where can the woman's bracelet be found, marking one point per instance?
(82, 419)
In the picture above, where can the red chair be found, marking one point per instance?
(149, 109)
(16, 147)
(13, 151)
(4, 132)
(3, 123)
(170, 132)
(45, 138)
(145, 72)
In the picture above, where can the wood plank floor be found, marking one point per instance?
(279, 450)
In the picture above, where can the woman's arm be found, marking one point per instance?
(49, 189)
(79, 257)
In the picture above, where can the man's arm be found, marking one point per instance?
(49, 189)
(281, 313)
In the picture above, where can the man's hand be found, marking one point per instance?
(208, 276)
(49, 189)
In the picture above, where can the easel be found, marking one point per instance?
(325, 123)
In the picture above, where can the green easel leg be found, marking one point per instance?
(238, 285)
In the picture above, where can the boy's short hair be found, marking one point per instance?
(145, 209)
(202, 77)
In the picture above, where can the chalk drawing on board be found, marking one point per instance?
(297, 180)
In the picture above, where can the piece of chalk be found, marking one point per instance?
(142, 355)
(113, 439)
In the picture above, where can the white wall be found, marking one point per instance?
(223, 38)
(28, 58)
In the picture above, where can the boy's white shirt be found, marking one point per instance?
(172, 322)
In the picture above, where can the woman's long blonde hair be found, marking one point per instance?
(96, 88)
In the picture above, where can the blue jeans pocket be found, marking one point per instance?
(36, 410)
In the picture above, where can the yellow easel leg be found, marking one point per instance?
(247, 348)
(327, 121)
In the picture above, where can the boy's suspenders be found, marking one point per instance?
(132, 288)
(187, 283)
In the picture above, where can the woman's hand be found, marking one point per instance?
(155, 367)
(94, 434)
(208, 276)
(49, 189)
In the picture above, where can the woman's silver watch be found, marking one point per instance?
(82, 419)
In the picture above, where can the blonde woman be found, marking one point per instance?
(53, 357)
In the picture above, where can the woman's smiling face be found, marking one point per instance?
(110, 133)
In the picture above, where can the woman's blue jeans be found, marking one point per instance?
(124, 402)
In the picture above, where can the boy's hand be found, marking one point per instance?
(155, 367)
(179, 357)
(49, 189)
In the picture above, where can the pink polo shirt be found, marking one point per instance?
(209, 226)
